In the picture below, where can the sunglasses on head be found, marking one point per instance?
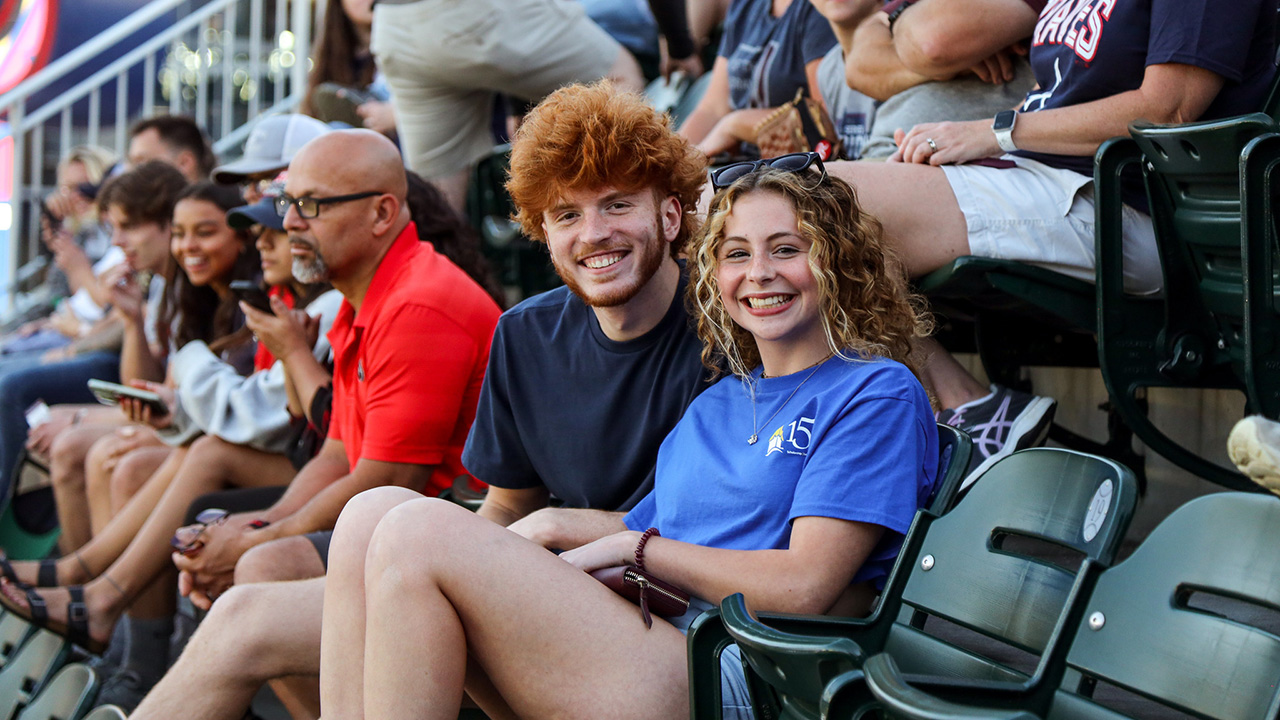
(722, 178)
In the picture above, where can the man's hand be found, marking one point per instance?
(209, 571)
(284, 332)
(126, 295)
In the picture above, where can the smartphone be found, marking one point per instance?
(37, 414)
(109, 393)
(55, 223)
(251, 293)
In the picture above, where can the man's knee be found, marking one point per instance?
(208, 452)
(293, 558)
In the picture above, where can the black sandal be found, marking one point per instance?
(77, 625)
(47, 574)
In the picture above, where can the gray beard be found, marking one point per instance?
(310, 271)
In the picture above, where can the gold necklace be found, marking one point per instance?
(755, 432)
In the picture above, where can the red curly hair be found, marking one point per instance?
(593, 136)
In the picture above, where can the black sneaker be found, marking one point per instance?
(1000, 424)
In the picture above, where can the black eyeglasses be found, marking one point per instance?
(722, 178)
(309, 207)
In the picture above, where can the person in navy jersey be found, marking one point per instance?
(770, 49)
(791, 480)
(1021, 189)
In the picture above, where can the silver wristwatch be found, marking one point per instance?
(1002, 126)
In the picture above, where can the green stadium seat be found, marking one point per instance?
(1178, 624)
(971, 567)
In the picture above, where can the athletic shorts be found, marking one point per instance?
(734, 697)
(1044, 216)
(445, 59)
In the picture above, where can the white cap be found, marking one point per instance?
(271, 145)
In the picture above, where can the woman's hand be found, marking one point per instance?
(126, 295)
(140, 412)
(284, 332)
(956, 142)
(608, 551)
(378, 116)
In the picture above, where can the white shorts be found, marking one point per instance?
(445, 59)
(1044, 216)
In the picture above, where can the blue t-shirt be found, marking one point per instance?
(565, 407)
(1085, 50)
(767, 54)
(857, 441)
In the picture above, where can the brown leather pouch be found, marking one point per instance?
(643, 589)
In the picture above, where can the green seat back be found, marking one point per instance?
(958, 567)
(965, 570)
(26, 673)
(1191, 336)
(1193, 182)
(1140, 634)
(14, 631)
(67, 696)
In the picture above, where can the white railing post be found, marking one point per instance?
(199, 31)
(18, 199)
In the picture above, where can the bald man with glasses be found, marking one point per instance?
(411, 343)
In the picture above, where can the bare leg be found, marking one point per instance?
(132, 471)
(925, 228)
(526, 617)
(947, 379)
(292, 558)
(347, 552)
(101, 464)
(210, 465)
(253, 633)
(66, 472)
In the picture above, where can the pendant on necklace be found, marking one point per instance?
(752, 440)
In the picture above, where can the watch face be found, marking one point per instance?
(1004, 120)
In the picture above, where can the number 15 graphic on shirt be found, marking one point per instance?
(791, 435)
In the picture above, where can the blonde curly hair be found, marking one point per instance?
(866, 306)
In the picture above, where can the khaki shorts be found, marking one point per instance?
(445, 59)
(1044, 215)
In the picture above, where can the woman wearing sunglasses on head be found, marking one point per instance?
(792, 480)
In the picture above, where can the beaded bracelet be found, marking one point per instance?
(644, 538)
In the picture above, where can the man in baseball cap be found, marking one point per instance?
(270, 147)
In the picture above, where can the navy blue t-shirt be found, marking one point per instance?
(767, 54)
(565, 407)
(1084, 50)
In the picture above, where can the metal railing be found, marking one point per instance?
(225, 63)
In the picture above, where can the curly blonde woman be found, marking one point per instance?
(791, 481)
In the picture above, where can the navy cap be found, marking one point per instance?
(261, 213)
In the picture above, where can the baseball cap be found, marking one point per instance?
(271, 145)
(261, 213)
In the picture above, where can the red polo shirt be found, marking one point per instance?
(408, 367)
